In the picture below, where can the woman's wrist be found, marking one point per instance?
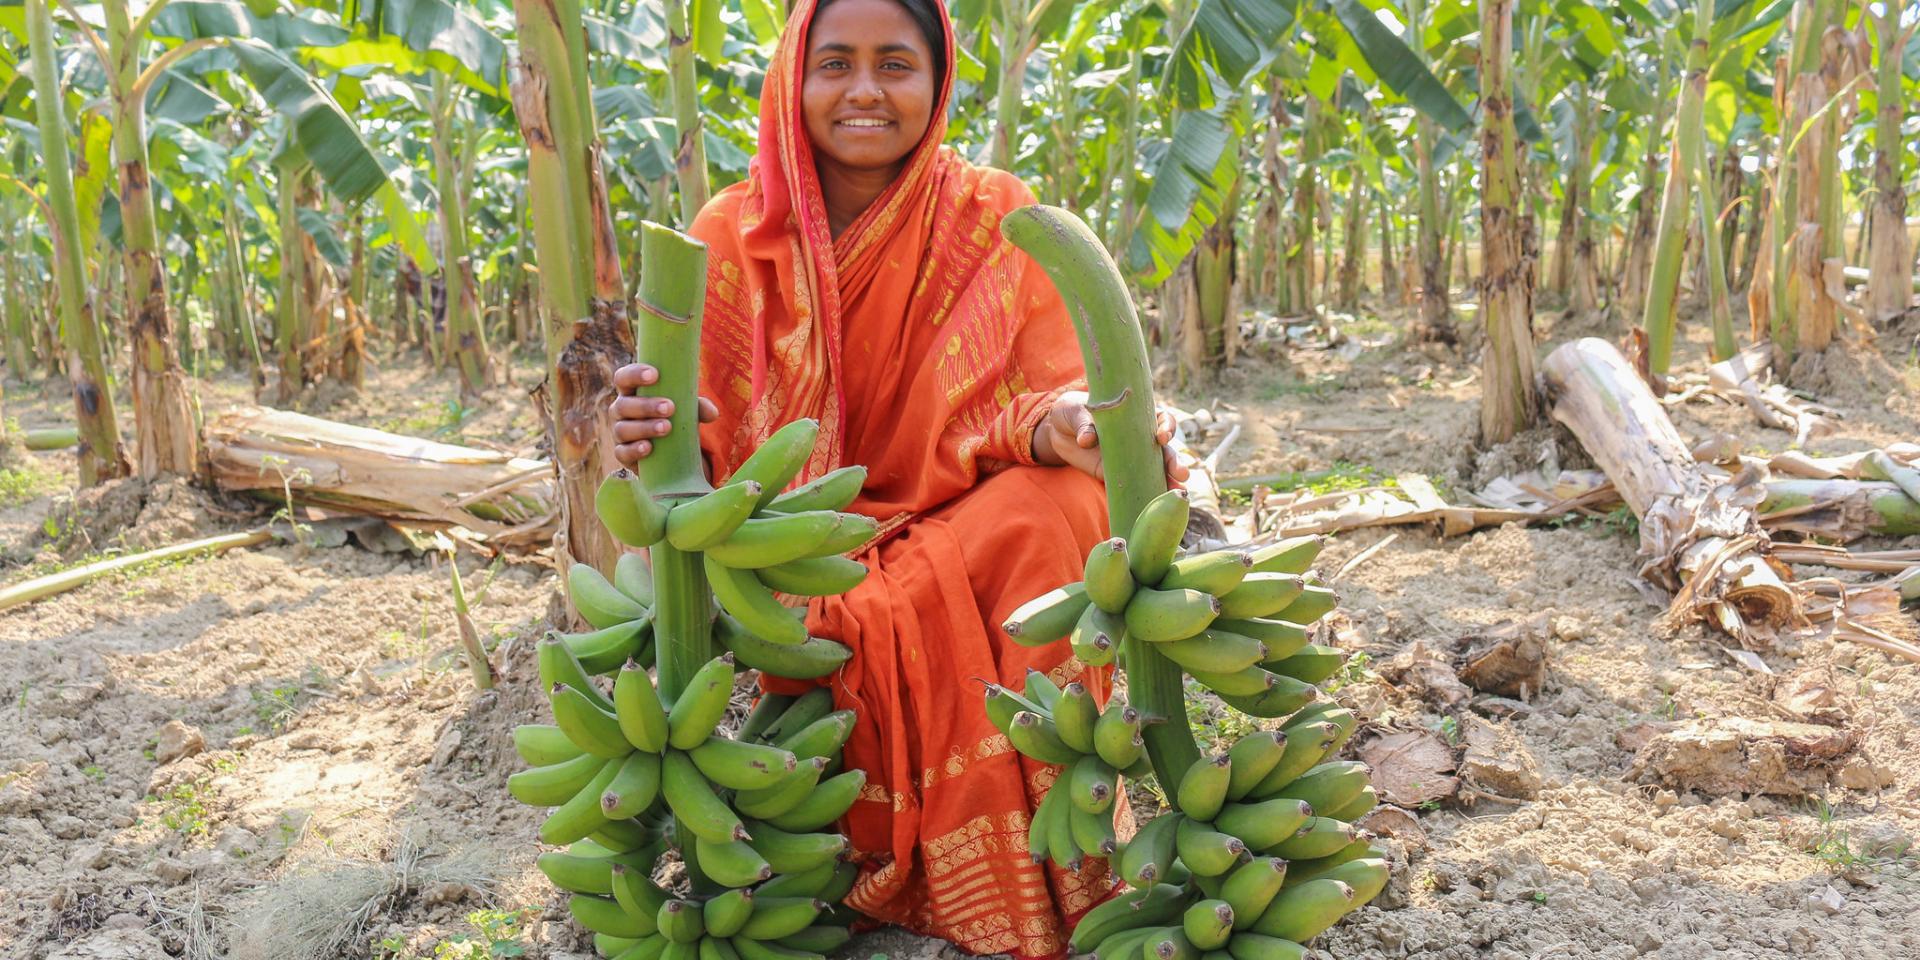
(1043, 452)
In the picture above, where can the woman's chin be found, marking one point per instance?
(868, 157)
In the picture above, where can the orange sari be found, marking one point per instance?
(929, 349)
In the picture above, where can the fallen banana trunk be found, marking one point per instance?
(1701, 536)
(274, 454)
(1742, 376)
(40, 588)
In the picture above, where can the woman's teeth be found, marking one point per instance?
(864, 122)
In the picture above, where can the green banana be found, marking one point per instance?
(1096, 636)
(1280, 697)
(853, 532)
(597, 600)
(1090, 784)
(710, 518)
(629, 837)
(1036, 737)
(1116, 735)
(749, 601)
(604, 650)
(1002, 704)
(691, 719)
(1251, 886)
(807, 883)
(541, 744)
(775, 539)
(591, 728)
(1214, 650)
(1217, 572)
(1367, 877)
(1331, 712)
(1205, 851)
(1124, 945)
(1047, 617)
(1266, 823)
(1061, 847)
(1148, 856)
(1109, 582)
(1170, 944)
(1313, 603)
(1305, 870)
(1092, 832)
(695, 804)
(626, 948)
(833, 490)
(1283, 639)
(628, 511)
(845, 875)
(1208, 924)
(1254, 756)
(762, 715)
(1358, 807)
(1312, 664)
(603, 915)
(814, 576)
(788, 852)
(679, 951)
(580, 815)
(1041, 689)
(737, 765)
(1246, 682)
(1328, 786)
(1307, 745)
(793, 790)
(1157, 616)
(1134, 910)
(636, 707)
(825, 805)
(634, 788)
(777, 917)
(1074, 715)
(577, 874)
(1254, 946)
(1261, 595)
(559, 665)
(635, 895)
(1155, 536)
(716, 948)
(808, 707)
(820, 938)
(1040, 825)
(1292, 555)
(821, 738)
(778, 460)
(683, 921)
(633, 577)
(1301, 913)
(760, 950)
(810, 660)
(1203, 788)
(733, 863)
(1321, 837)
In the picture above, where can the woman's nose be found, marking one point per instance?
(865, 90)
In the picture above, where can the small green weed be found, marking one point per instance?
(1357, 669)
(183, 809)
(276, 707)
(1449, 730)
(94, 772)
(500, 933)
(24, 482)
(1620, 521)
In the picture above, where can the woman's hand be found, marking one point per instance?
(1067, 438)
(638, 420)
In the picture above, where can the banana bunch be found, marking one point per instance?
(1233, 620)
(1094, 746)
(1258, 855)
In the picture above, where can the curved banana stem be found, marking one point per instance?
(1121, 387)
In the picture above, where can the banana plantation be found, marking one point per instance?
(515, 478)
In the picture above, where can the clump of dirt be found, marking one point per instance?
(1846, 376)
(134, 514)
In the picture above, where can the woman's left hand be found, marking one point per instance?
(1067, 438)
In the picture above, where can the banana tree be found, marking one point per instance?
(1890, 267)
(1507, 403)
(468, 339)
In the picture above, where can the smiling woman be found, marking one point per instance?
(858, 277)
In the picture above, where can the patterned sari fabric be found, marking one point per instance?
(929, 349)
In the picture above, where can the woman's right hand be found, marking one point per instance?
(639, 420)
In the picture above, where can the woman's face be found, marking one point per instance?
(868, 90)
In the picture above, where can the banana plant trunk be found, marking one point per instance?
(1806, 218)
(290, 310)
(578, 256)
(1506, 288)
(1355, 247)
(101, 456)
(1435, 322)
(467, 338)
(690, 156)
(1685, 158)
(1306, 206)
(1640, 236)
(1015, 47)
(1890, 263)
(19, 325)
(353, 342)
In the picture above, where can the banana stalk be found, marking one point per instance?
(1121, 386)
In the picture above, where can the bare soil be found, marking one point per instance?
(340, 782)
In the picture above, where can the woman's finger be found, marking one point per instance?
(641, 408)
(1084, 432)
(1175, 469)
(709, 412)
(633, 376)
(627, 431)
(630, 454)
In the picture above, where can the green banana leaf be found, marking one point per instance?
(1188, 192)
(1233, 40)
(1389, 58)
(450, 38)
(331, 140)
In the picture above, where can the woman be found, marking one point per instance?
(858, 276)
